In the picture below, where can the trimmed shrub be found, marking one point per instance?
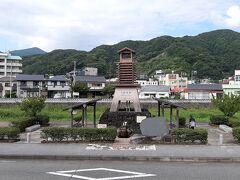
(182, 121)
(233, 122)
(217, 120)
(192, 135)
(43, 120)
(78, 134)
(236, 133)
(22, 124)
(9, 133)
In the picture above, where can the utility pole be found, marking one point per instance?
(11, 81)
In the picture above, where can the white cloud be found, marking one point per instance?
(84, 24)
(233, 19)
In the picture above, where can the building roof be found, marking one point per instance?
(58, 78)
(155, 88)
(126, 48)
(27, 77)
(7, 79)
(10, 57)
(99, 79)
(206, 87)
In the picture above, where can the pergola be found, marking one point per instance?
(84, 107)
(163, 104)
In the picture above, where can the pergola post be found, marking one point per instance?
(159, 114)
(83, 116)
(177, 118)
(162, 107)
(94, 115)
(171, 116)
(71, 117)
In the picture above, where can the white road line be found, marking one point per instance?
(81, 170)
(8, 161)
(122, 171)
(70, 175)
(127, 177)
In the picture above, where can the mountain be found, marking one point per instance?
(28, 52)
(212, 54)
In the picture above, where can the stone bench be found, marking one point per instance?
(32, 128)
(225, 128)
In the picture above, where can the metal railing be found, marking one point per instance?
(79, 100)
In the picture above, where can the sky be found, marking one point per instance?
(85, 24)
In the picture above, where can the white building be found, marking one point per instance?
(10, 65)
(147, 82)
(154, 91)
(58, 87)
(5, 87)
(233, 85)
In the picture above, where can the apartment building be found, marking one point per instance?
(10, 65)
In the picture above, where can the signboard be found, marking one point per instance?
(102, 126)
(140, 118)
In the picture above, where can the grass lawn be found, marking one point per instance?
(56, 113)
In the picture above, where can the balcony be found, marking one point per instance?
(29, 88)
(14, 64)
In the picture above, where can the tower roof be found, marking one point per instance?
(126, 48)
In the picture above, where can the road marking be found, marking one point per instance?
(121, 147)
(7, 161)
(133, 174)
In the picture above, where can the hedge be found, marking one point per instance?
(22, 124)
(233, 122)
(9, 133)
(78, 134)
(236, 133)
(192, 135)
(217, 120)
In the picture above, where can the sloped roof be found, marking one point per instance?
(208, 87)
(99, 79)
(155, 88)
(58, 78)
(126, 48)
(7, 79)
(28, 77)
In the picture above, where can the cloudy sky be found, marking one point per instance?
(85, 24)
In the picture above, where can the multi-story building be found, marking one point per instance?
(232, 86)
(95, 84)
(154, 91)
(146, 82)
(10, 65)
(6, 88)
(30, 85)
(58, 87)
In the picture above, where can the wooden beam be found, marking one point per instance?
(177, 118)
(171, 116)
(162, 107)
(94, 115)
(159, 105)
(71, 117)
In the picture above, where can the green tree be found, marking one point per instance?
(108, 90)
(32, 106)
(80, 87)
(228, 105)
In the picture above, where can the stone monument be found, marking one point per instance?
(125, 105)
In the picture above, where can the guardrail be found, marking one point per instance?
(79, 100)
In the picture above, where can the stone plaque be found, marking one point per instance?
(154, 127)
(101, 126)
(140, 118)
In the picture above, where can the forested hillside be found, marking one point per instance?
(213, 55)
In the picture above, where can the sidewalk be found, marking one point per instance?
(166, 153)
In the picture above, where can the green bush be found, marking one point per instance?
(22, 124)
(78, 134)
(43, 120)
(233, 122)
(236, 133)
(182, 121)
(186, 135)
(217, 120)
(9, 133)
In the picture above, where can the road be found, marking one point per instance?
(107, 170)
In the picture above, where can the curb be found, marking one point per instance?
(126, 158)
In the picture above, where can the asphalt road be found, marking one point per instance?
(107, 170)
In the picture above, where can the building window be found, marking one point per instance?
(23, 83)
(7, 84)
(237, 77)
(35, 83)
(62, 83)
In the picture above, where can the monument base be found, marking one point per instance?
(117, 119)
